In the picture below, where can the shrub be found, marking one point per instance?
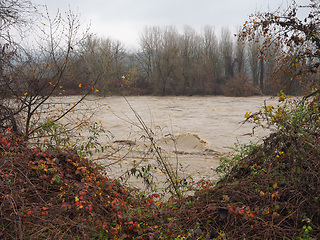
(241, 86)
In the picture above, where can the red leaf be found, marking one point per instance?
(241, 212)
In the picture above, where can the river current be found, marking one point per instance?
(191, 133)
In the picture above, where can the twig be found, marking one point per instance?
(286, 217)
(167, 171)
(33, 186)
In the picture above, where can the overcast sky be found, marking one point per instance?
(124, 20)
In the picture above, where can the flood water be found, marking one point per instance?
(192, 133)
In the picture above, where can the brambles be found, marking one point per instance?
(54, 193)
(296, 117)
(272, 188)
(241, 151)
(55, 136)
(270, 192)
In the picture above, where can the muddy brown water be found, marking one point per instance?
(191, 133)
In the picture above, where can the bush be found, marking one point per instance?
(58, 195)
(241, 86)
(270, 191)
(273, 192)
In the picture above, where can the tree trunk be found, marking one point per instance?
(261, 73)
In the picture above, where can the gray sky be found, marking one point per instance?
(124, 20)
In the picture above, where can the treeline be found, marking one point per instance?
(168, 62)
(174, 63)
(189, 63)
(269, 53)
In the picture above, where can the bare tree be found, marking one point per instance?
(159, 57)
(239, 60)
(253, 60)
(14, 15)
(31, 76)
(295, 39)
(150, 44)
(226, 48)
(101, 59)
(211, 52)
(167, 60)
(190, 55)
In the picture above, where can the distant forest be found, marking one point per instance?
(67, 61)
(173, 63)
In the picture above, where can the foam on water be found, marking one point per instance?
(196, 130)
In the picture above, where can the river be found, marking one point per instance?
(192, 133)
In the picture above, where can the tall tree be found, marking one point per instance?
(190, 54)
(212, 59)
(295, 36)
(239, 60)
(150, 44)
(226, 48)
(167, 60)
(101, 59)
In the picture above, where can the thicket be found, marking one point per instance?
(267, 191)
(48, 190)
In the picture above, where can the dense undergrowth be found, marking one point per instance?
(268, 191)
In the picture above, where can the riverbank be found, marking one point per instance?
(268, 191)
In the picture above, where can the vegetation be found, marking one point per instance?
(68, 59)
(269, 192)
(289, 42)
(49, 190)
(30, 76)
